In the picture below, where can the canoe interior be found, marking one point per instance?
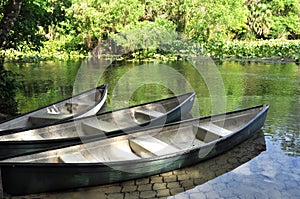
(155, 142)
(68, 108)
(106, 122)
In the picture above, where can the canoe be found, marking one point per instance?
(100, 126)
(81, 105)
(131, 156)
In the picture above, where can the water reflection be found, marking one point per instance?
(173, 182)
(43, 83)
(8, 87)
(246, 84)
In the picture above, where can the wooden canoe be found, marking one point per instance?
(101, 126)
(81, 105)
(136, 155)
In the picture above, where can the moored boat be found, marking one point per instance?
(81, 105)
(101, 126)
(130, 156)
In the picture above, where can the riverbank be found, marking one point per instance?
(258, 51)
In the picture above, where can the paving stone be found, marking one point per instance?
(219, 186)
(227, 193)
(142, 181)
(232, 161)
(159, 186)
(113, 196)
(172, 185)
(170, 173)
(187, 184)
(205, 188)
(183, 177)
(163, 197)
(177, 190)
(144, 187)
(172, 178)
(179, 172)
(212, 195)
(187, 188)
(182, 196)
(199, 181)
(129, 188)
(195, 173)
(132, 195)
(295, 192)
(162, 192)
(156, 179)
(147, 194)
(198, 195)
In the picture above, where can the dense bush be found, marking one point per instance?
(255, 49)
(59, 29)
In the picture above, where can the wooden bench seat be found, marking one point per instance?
(147, 146)
(76, 157)
(90, 127)
(208, 131)
(32, 137)
(115, 151)
(45, 118)
(149, 113)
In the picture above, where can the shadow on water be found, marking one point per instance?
(8, 89)
(173, 182)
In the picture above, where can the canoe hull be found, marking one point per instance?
(24, 122)
(10, 149)
(73, 175)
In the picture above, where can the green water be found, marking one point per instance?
(244, 85)
(221, 87)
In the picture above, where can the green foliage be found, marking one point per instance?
(286, 19)
(35, 23)
(48, 29)
(214, 20)
(95, 20)
(260, 18)
(270, 49)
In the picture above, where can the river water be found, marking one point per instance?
(220, 86)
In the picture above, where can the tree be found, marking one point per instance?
(10, 15)
(7, 81)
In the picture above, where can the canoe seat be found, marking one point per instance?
(147, 146)
(76, 157)
(115, 151)
(90, 127)
(45, 118)
(149, 113)
(208, 131)
(31, 137)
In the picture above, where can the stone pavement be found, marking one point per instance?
(271, 175)
(170, 183)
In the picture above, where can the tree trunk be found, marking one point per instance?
(11, 13)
